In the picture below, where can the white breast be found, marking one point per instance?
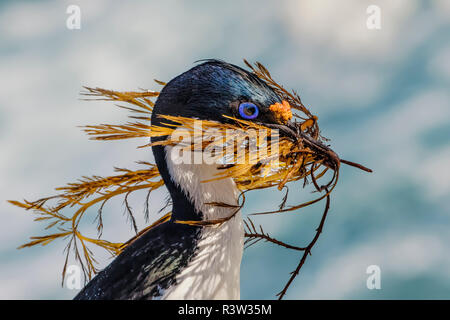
(214, 272)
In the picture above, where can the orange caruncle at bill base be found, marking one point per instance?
(282, 111)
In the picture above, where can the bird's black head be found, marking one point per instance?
(213, 89)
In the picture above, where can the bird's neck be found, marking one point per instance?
(214, 272)
(201, 187)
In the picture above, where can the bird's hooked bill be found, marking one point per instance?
(295, 131)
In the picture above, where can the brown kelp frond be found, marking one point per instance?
(141, 99)
(277, 161)
(309, 120)
(79, 197)
(161, 220)
(293, 98)
(129, 130)
(141, 110)
(251, 171)
(254, 235)
(217, 222)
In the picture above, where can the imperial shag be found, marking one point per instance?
(177, 261)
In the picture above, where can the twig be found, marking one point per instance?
(307, 250)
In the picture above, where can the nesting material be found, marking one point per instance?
(281, 159)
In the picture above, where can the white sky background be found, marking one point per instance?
(381, 96)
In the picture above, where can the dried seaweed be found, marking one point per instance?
(300, 157)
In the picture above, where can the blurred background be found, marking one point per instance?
(382, 96)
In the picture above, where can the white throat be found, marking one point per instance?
(214, 272)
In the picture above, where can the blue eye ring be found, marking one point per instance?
(248, 110)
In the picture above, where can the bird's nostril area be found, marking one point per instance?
(333, 160)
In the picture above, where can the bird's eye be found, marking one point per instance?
(248, 110)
